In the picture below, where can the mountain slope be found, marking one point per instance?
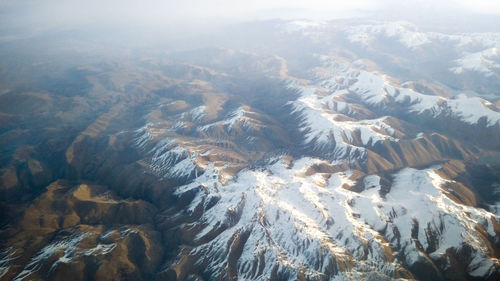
(348, 159)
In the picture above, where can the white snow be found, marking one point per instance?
(198, 113)
(376, 90)
(6, 256)
(298, 221)
(242, 117)
(146, 134)
(100, 249)
(476, 51)
(171, 160)
(327, 122)
(301, 25)
(404, 32)
(182, 169)
(417, 196)
(65, 249)
(322, 126)
(483, 61)
(471, 109)
(481, 268)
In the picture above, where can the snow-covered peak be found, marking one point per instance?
(325, 123)
(198, 113)
(469, 41)
(484, 61)
(301, 25)
(242, 117)
(310, 224)
(404, 32)
(376, 89)
(331, 124)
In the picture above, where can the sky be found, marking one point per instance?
(47, 13)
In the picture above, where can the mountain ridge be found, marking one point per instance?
(220, 164)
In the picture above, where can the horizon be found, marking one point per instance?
(46, 15)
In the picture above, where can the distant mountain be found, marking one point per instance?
(328, 151)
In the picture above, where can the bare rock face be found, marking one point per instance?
(345, 160)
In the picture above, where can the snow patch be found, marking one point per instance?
(198, 113)
(239, 117)
(65, 249)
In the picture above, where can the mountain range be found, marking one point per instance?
(282, 150)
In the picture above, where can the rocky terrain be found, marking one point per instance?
(335, 151)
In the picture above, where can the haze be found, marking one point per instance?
(38, 14)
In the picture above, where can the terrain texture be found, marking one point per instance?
(330, 151)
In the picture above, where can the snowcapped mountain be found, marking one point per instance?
(330, 229)
(370, 151)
